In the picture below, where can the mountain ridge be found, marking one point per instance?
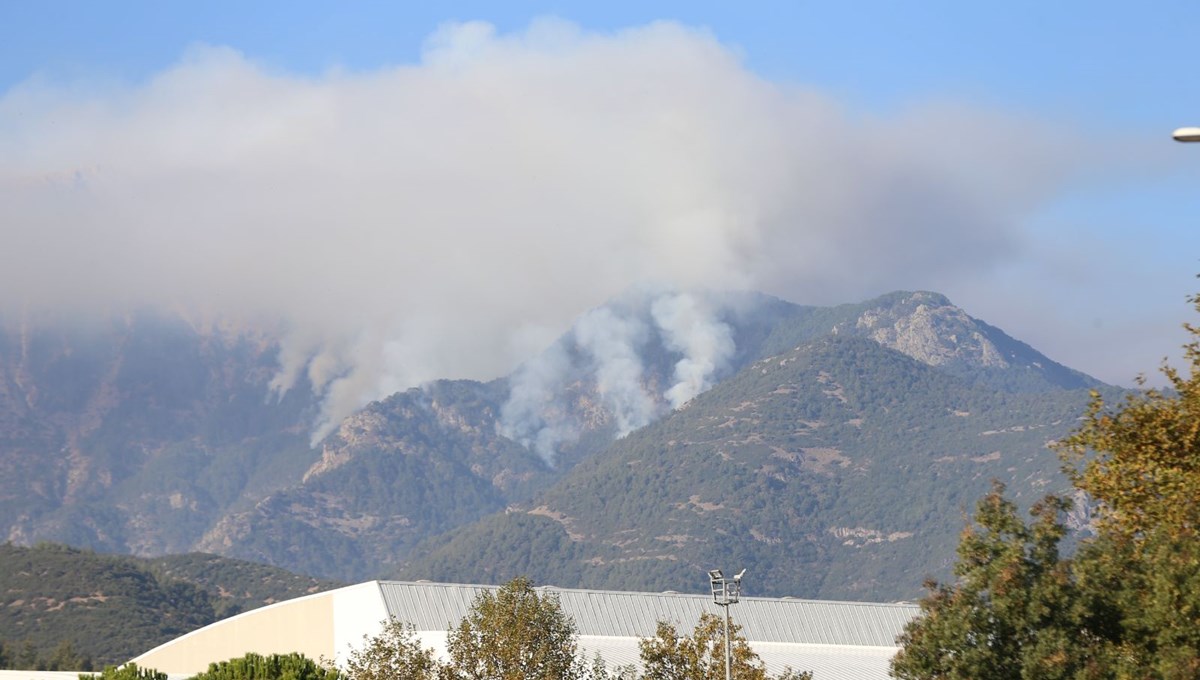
(778, 446)
(193, 450)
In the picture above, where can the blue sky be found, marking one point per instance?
(1096, 63)
(1101, 266)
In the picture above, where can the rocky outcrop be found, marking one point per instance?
(926, 327)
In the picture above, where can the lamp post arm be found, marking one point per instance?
(1187, 134)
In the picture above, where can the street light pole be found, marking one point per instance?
(1187, 134)
(726, 592)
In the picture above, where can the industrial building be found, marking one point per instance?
(835, 640)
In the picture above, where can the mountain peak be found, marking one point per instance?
(928, 328)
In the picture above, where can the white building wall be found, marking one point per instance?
(302, 625)
(358, 611)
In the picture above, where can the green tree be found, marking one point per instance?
(28, 658)
(252, 666)
(394, 654)
(129, 671)
(66, 658)
(1012, 612)
(515, 633)
(1127, 606)
(701, 656)
(1140, 462)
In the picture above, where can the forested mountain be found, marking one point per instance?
(137, 433)
(416, 464)
(110, 608)
(837, 469)
(833, 450)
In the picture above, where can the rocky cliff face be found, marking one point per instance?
(929, 328)
(926, 327)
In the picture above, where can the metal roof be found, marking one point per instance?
(440, 606)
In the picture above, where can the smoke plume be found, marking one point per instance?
(450, 217)
(602, 354)
(536, 413)
(705, 343)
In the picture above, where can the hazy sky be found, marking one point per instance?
(438, 191)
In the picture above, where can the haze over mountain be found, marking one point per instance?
(831, 449)
(448, 218)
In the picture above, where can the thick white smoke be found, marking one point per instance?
(706, 343)
(536, 412)
(603, 352)
(449, 218)
(614, 345)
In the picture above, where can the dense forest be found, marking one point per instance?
(62, 607)
(836, 469)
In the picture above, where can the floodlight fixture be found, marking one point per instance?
(726, 592)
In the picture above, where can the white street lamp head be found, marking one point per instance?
(739, 575)
(1187, 134)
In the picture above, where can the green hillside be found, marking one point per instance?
(416, 464)
(155, 435)
(111, 608)
(838, 468)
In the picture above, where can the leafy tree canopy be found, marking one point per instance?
(129, 671)
(1146, 467)
(701, 656)
(1127, 605)
(1011, 612)
(515, 633)
(394, 654)
(253, 666)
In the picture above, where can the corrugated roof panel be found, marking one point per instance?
(437, 606)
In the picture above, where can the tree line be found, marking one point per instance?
(26, 656)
